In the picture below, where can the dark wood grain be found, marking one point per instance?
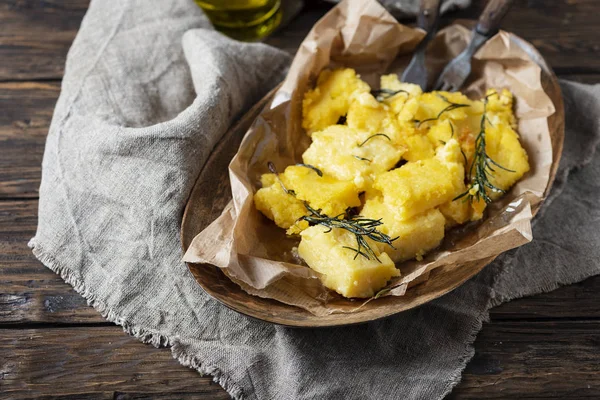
(24, 121)
(581, 78)
(564, 31)
(29, 292)
(96, 362)
(540, 360)
(527, 360)
(557, 28)
(36, 35)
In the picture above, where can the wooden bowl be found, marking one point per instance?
(212, 192)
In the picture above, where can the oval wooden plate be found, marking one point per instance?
(212, 192)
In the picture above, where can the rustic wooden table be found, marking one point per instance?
(53, 345)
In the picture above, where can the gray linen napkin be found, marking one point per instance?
(146, 95)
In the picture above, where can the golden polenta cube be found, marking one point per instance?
(277, 205)
(324, 192)
(435, 107)
(415, 235)
(503, 146)
(456, 212)
(418, 147)
(330, 254)
(351, 155)
(405, 91)
(408, 111)
(460, 210)
(450, 155)
(499, 107)
(330, 99)
(417, 186)
(368, 115)
(441, 133)
(477, 208)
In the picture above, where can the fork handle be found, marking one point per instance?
(489, 21)
(428, 18)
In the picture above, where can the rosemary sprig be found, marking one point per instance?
(383, 94)
(464, 156)
(317, 170)
(362, 158)
(482, 166)
(452, 106)
(273, 170)
(362, 228)
(373, 136)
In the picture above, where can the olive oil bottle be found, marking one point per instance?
(246, 20)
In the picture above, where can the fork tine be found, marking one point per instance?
(440, 83)
(443, 86)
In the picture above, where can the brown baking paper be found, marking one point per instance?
(253, 252)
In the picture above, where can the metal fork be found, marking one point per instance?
(457, 71)
(428, 20)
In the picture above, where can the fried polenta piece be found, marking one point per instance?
(417, 186)
(351, 155)
(415, 235)
(325, 193)
(330, 99)
(330, 252)
(404, 91)
(282, 208)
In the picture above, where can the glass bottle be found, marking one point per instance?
(246, 20)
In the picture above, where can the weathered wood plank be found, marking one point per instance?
(581, 78)
(540, 360)
(93, 363)
(563, 30)
(579, 301)
(24, 121)
(29, 292)
(27, 108)
(555, 27)
(35, 36)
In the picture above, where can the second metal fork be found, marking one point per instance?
(457, 71)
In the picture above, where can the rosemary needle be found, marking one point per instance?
(362, 159)
(452, 106)
(317, 170)
(273, 170)
(373, 136)
(383, 94)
